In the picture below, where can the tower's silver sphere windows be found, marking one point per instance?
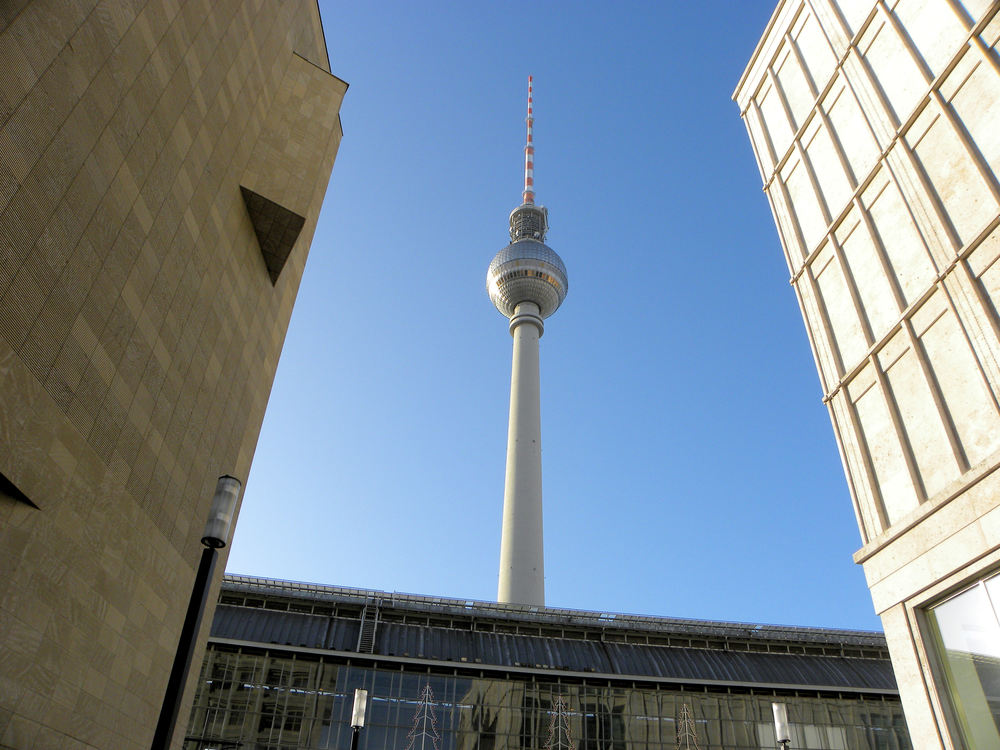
(527, 271)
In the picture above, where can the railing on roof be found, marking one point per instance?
(562, 615)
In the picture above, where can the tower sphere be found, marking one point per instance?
(527, 271)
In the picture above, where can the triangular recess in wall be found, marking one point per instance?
(10, 489)
(276, 227)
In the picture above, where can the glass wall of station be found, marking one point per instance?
(260, 701)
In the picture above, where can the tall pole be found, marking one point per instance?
(358, 716)
(220, 517)
(522, 575)
(185, 651)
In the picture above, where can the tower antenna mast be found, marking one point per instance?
(528, 197)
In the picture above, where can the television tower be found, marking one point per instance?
(527, 283)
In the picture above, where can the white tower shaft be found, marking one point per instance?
(522, 576)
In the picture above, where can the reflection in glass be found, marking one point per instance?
(967, 634)
(265, 701)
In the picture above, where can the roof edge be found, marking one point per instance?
(759, 48)
(475, 606)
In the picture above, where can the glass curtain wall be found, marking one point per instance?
(966, 630)
(268, 701)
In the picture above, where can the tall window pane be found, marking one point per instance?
(968, 639)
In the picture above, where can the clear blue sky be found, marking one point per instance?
(690, 467)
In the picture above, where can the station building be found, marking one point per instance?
(283, 661)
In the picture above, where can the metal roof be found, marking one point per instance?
(463, 648)
(553, 615)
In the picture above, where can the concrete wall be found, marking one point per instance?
(875, 127)
(139, 325)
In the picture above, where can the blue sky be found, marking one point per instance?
(690, 469)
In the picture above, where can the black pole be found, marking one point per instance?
(185, 651)
(354, 737)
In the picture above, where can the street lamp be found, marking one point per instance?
(220, 518)
(781, 731)
(358, 715)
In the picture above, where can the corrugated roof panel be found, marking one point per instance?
(575, 655)
(343, 634)
(270, 626)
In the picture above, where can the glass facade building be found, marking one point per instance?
(623, 681)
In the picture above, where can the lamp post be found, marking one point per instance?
(358, 716)
(781, 731)
(220, 518)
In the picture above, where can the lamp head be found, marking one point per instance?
(360, 704)
(781, 731)
(220, 516)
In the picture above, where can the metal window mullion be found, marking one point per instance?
(280, 711)
(994, 605)
(209, 663)
(234, 670)
(892, 406)
(932, 383)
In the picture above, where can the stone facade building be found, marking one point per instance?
(875, 127)
(162, 166)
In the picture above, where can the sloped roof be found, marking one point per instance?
(470, 647)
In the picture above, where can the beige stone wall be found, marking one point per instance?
(139, 328)
(874, 123)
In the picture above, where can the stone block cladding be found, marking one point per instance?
(139, 325)
(874, 125)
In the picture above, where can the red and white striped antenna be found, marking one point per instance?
(529, 157)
